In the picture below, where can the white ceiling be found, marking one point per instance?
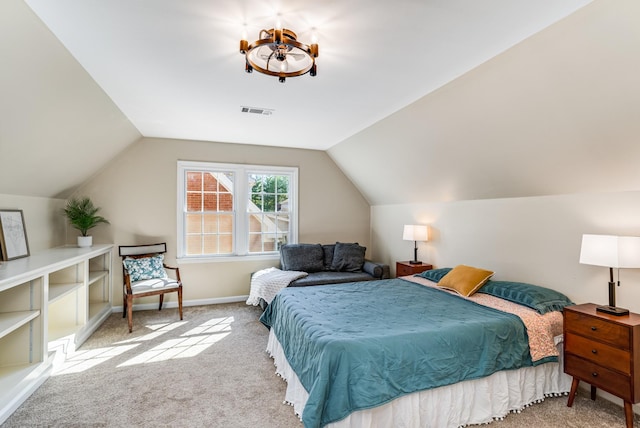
(174, 69)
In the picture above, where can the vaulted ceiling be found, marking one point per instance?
(453, 99)
(173, 67)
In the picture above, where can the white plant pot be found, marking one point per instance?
(85, 241)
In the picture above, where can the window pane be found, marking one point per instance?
(210, 244)
(256, 199)
(255, 243)
(226, 202)
(269, 203)
(194, 181)
(210, 223)
(210, 182)
(210, 202)
(282, 184)
(194, 245)
(194, 201)
(225, 223)
(194, 223)
(226, 244)
(255, 223)
(282, 222)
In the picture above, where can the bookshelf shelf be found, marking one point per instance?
(60, 293)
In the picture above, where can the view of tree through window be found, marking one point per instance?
(269, 192)
(269, 221)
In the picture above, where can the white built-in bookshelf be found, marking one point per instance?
(50, 302)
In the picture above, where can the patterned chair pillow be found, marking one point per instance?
(145, 267)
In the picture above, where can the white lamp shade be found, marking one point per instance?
(610, 251)
(415, 232)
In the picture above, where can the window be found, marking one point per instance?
(235, 210)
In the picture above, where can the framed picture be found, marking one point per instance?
(13, 235)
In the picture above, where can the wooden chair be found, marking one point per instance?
(144, 274)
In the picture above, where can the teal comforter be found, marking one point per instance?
(359, 345)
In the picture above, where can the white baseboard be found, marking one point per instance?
(199, 302)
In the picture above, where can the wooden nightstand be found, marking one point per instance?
(406, 268)
(603, 350)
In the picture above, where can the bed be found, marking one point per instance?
(407, 352)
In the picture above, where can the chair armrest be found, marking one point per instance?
(376, 270)
(176, 269)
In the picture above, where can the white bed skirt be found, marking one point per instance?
(469, 402)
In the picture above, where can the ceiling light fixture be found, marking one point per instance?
(279, 53)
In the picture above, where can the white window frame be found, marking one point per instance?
(241, 215)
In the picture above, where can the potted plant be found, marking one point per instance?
(82, 215)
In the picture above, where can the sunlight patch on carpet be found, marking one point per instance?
(214, 325)
(159, 330)
(84, 360)
(188, 345)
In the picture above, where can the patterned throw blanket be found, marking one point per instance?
(267, 282)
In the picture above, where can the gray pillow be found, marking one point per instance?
(348, 257)
(328, 255)
(302, 257)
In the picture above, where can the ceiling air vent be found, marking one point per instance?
(257, 110)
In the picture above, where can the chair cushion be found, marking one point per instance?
(145, 267)
(153, 284)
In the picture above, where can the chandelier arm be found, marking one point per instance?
(269, 59)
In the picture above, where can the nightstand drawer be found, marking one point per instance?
(402, 270)
(599, 353)
(406, 268)
(598, 376)
(598, 329)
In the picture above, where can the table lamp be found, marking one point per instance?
(415, 233)
(612, 252)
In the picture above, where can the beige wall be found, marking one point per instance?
(137, 193)
(58, 126)
(556, 114)
(535, 239)
(43, 218)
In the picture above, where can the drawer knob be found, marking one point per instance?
(594, 328)
(594, 374)
(594, 351)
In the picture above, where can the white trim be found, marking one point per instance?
(226, 259)
(170, 305)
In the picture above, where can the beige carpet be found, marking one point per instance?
(210, 370)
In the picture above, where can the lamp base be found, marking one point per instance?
(612, 310)
(415, 262)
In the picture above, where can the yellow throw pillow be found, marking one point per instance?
(465, 280)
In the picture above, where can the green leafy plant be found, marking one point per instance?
(82, 214)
